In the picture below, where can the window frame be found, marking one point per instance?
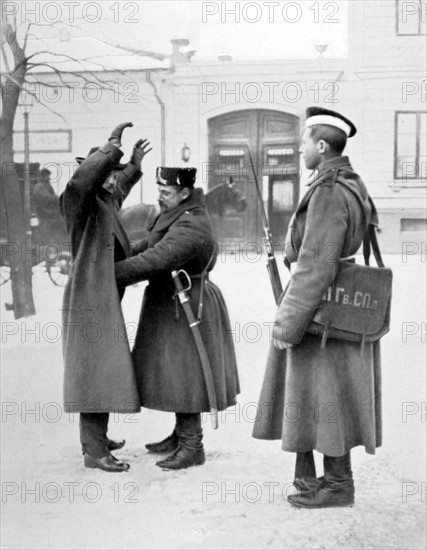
(404, 178)
(419, 31)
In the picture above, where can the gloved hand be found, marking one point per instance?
(139, 151)
(116, 134)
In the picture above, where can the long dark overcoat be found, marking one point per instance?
(169, 372)
(99, 374)
(328, 399)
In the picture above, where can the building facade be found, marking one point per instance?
(218, 115)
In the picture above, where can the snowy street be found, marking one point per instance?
(237, 499)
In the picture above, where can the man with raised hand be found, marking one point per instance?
(99, 377)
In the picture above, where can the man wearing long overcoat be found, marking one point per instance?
(99, 377)
(168, 367)
(321, 398)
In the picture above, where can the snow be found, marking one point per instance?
(236, 499)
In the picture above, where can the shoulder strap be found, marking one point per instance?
(370, 238)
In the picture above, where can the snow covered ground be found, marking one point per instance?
(237, 499)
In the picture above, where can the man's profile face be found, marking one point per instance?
(170, 196)
(309, 150)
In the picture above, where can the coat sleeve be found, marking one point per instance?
(86, 180)
(126, 179)
(139, 246)
(317, 265)
(184, 241)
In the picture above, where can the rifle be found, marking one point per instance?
(272, 269)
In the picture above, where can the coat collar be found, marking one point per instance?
(164, 220)
(327, 167)
(325, 170)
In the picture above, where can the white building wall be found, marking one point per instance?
(391, 71)
(91, 114)
(384, 73)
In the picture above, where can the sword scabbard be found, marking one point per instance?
(203, 356)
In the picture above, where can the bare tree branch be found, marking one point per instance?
(142, 53)
(80, 62)
(10, 77)
(26, 36)
(12, 41)
(6, 62)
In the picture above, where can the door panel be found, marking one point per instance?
(272, 137)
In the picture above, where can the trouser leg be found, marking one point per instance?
(305, 466)
(93, 434)
(305, 472)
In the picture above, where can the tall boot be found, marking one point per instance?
(93, 434)
(190, 450)
(95, 443)
(336, 489)
(168, 445)
(305, 472)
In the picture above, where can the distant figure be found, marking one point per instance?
(46, 205)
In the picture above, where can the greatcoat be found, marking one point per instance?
(328, 399)
(99, 374)
(168, 367)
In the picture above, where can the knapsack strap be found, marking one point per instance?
(370, 238)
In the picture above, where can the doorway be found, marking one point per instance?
(272, 137)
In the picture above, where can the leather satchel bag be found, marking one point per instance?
(356, 307)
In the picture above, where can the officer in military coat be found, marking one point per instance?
(167, 362)
(99, 377)
(314, 398)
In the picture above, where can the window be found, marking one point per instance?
(279, 155)
(410, 146)
(231, 159)
(411, 16)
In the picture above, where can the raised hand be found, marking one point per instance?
(139, 151)
(116, 134)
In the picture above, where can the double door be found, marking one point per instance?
(270, 139)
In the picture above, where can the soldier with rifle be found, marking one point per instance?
(184, 353)
(314, 397)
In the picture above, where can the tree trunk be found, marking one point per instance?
(14, 252)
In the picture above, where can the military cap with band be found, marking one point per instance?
(181, 177)
(319, 115)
